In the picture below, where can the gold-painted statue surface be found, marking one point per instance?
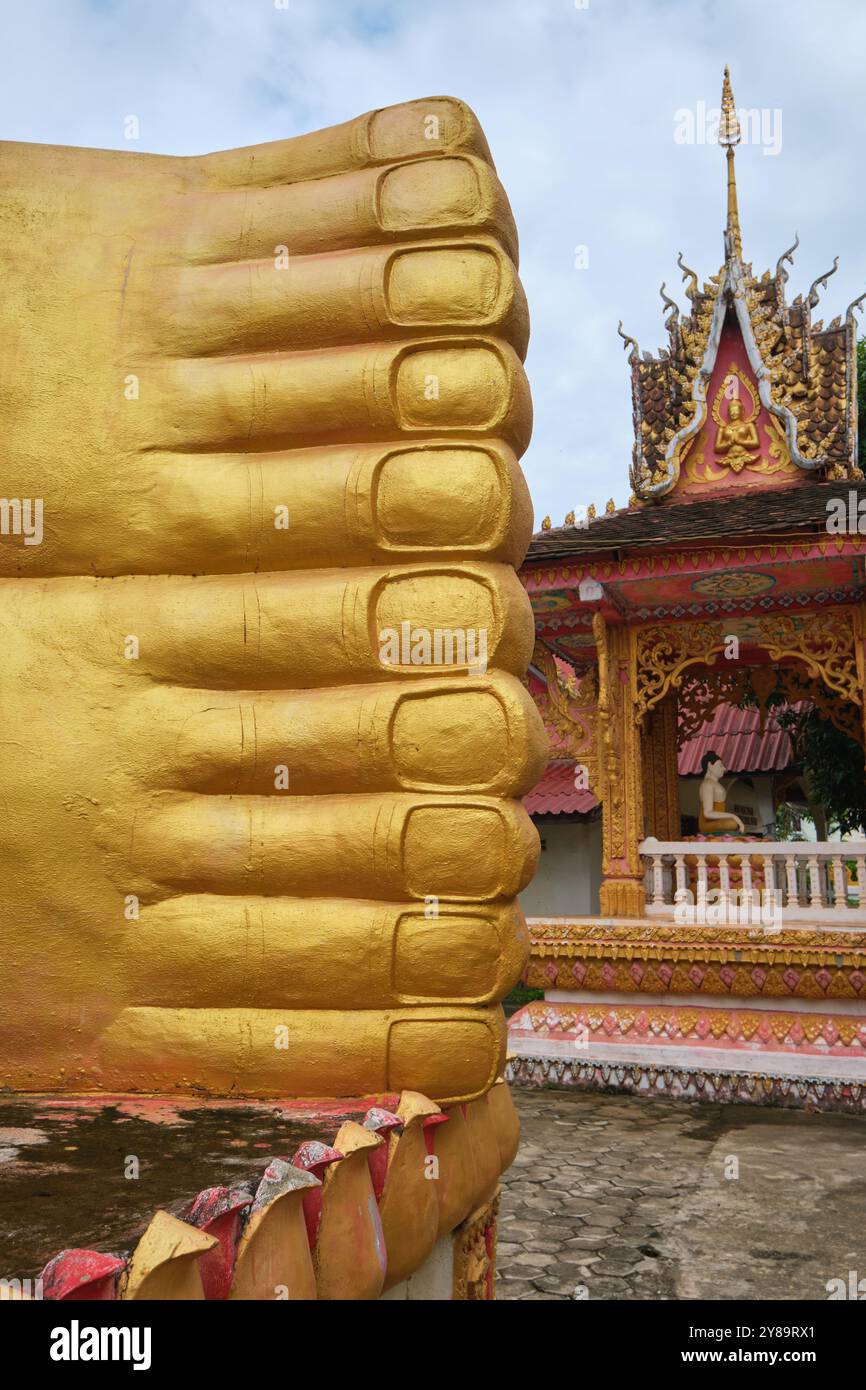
(263, 638)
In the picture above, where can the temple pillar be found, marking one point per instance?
(620, 783)
(661, 783)
(860, 651)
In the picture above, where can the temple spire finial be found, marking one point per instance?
(729, 136)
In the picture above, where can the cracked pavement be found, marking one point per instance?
(617, 1197)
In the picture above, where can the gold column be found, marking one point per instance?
(661, 788)
(620, 787)
(860, 648)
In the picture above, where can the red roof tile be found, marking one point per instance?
(556, 793)
(753, 512)
(735, 735)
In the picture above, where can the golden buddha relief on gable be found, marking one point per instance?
(741, 438)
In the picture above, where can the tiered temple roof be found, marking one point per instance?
(769, 512)
(794, 378)
(805, 373)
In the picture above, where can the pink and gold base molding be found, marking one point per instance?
(743, 962)
(694, 1049)
(710, 1012)
(824, 1035)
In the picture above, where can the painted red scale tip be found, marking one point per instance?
(428, 1125)
(86, 1275)
(214, 1202)
(315, 1157)
(384, 1123)
(381, 1121)
(219, 1212)
(313, 1154)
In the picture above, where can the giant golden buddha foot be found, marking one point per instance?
(262, 635)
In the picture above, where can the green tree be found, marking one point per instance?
(833, 764)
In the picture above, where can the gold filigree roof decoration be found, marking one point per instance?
(665, 652)
(767, 688)
(796, 685)
(827, 643)
(806, 373)
(700, 695)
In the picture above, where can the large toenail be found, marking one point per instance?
(443, 285)
(431, 193)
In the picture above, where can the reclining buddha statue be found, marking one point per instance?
(261, 413)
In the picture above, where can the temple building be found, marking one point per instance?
(755, 749)
(671, 637)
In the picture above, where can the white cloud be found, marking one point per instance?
(578, 106)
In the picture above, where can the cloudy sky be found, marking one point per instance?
(582, 104)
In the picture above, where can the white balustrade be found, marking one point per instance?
(718, 881)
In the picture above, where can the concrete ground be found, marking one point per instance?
(615, 1197)
(90, 1172)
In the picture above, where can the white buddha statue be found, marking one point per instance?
(713, 819)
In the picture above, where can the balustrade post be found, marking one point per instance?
(702, 888)
(724, 883)
(747, 890)
(769, 879)
(816, 887)
(791, 877)
(840, 887)
(682, 887)
(658, 881)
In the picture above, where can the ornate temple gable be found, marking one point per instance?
(794, 380)
(740, 443)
